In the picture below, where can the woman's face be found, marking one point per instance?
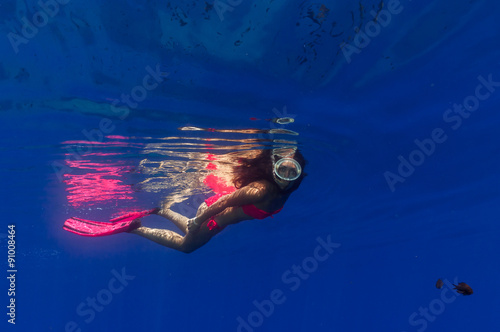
(286, 170)
(283, 184)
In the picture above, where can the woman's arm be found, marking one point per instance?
(247, 195)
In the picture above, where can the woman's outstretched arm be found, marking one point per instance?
(244, 196)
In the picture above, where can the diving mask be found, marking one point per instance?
(287, 169)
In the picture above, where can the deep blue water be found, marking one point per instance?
(404, 211)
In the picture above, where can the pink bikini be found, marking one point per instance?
(250, 210)
(219, 186)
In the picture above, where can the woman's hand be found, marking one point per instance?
(193, 224)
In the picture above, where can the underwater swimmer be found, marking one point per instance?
(263, 185)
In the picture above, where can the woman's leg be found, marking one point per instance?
(187, 244)
(164, 237)
(178, 219)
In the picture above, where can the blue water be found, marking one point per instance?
(400, 213)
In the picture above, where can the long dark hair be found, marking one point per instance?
(261, 168)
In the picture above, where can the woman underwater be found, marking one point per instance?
(263, 185)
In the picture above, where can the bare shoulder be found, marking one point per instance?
(269, 198)
(262, 188)
(262, 185)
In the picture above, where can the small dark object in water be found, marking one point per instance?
(439, 284)
(463, 288)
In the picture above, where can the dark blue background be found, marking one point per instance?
(354, 120)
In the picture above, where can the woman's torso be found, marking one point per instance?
(273, 201)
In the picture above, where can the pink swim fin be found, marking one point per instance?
(117, 225)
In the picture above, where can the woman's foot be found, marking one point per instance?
(136, 223)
